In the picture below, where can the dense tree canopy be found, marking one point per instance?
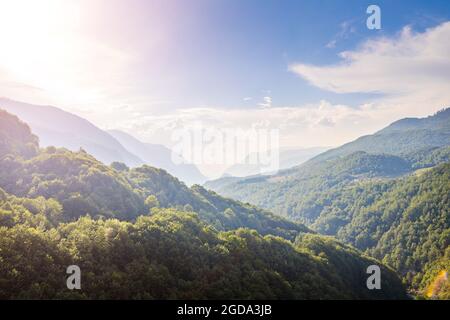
(83, 185)
(16, 137)
(386, 194)
(141, 233)
(173, 255)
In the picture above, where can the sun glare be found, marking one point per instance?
(39, 42)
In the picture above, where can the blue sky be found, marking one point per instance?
(309, 69)
(223, 51)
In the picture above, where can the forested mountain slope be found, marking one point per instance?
(393, 204)
(16, 137)
(173, 255)
(59, 128)
(294, 192)
(402, 147)
(84, 185)
(401, 137)
(435, 282)
(403, 222)
(140, 233)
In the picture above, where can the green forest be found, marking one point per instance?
(140, 233)
(387, 194)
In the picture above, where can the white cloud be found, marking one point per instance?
(311, 125)
(267, 102)
(403, 64)
(411, 71)
(48, 60)
(321, 124)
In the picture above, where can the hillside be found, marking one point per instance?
(84, 185)
(142, 234)
(16, 137)
(59, 128)
(403, 222)
(435, 283)
(173, 255)
(386, 194)
(401, 137)
(291, 192)
(159, 156)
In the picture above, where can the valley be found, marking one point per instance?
(323, 223)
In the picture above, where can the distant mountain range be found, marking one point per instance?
(160, 156)
(289, 157)
(139, 233)
(59, 128)
(56, 127)
(387, 197)
(414, 143)
(387, 194)
(404, 136)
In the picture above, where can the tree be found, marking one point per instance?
(152, 202)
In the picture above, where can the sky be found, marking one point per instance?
(310, 69)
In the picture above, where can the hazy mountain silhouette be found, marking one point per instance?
(159, 156)
(400, 137)
(402, 147)
(56, 127)
(288, 158)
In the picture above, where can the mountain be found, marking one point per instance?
(253, 164)
(401, 137)
(84, 185)
(16, 137)
(386, 194)
(289, 192)
(399, 149)
(59, 128)
(435, 283)
(173, 255)
(140, 233)
(404, 222)
(159, 156)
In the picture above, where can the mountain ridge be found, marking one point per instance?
(56, 127)
(388, 198)
(160, 156)
(168, 242)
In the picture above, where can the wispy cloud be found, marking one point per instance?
(267, 102)
(346, 28)
(402, 64)
(308, 125)
(410, 70)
